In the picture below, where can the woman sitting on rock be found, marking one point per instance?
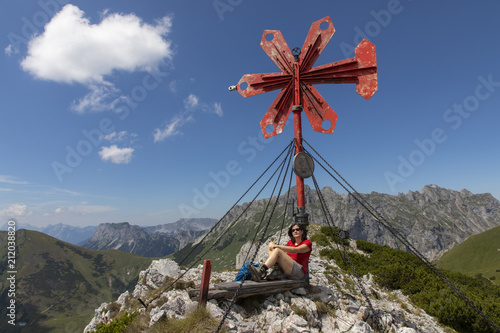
(293, 257)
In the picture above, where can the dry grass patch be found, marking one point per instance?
(198, 321)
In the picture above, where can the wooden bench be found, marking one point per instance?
(249, 288)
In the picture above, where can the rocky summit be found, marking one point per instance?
(333, 303)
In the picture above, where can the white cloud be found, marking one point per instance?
(116, 155)
(15, 210)
(71, 49)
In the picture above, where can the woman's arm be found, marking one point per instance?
(299, 249)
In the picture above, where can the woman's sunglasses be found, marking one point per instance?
(296, 230)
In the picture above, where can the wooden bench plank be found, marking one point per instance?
(250, 288)
(249, 284)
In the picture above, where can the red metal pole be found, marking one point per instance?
(297, 110)
(205, 282)
(301, 216)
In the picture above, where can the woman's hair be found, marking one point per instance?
(302, 227)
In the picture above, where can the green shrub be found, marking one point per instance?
(395, 269)
(320, 239)
(332, 234)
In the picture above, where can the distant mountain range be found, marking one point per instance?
(155, 241)
(148, 241)
(433, 220)
(64, 232)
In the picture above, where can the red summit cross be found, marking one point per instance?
(296, 81)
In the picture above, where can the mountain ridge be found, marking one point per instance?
(67, 233)
(433, 220)
(149, 241)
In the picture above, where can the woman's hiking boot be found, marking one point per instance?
(258, 274)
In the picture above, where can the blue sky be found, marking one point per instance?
(120, 111)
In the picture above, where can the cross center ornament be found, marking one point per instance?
(298, 75)
(296, 81)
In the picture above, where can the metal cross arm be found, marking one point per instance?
(298, 76)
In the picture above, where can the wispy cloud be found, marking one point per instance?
(172, 127)
(103, 96)
(10, 50)
(71, 49)
(29, 189)
(25, 187)
(59, 191)
(217, 109)
(82, 210)
(121, 137)
(173, 86)
(11, 180)
(192, 104)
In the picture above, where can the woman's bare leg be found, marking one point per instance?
(278, 256)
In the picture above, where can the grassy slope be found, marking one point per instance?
(58, 285)
(479, 254)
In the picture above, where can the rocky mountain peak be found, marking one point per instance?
(116, 231)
